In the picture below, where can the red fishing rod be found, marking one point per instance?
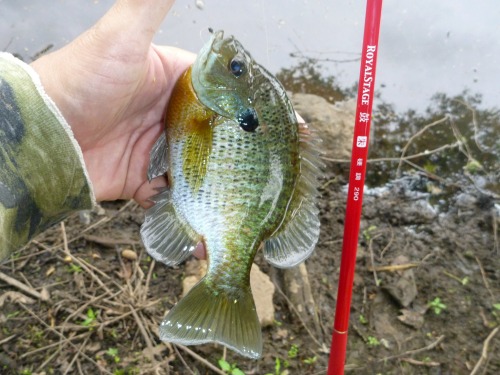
(356, 184)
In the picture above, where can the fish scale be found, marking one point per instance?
(243, 176)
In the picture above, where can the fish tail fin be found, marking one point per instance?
(213, 315)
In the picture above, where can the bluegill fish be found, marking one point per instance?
(242, 173)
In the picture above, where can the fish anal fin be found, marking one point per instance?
(296, 237)
(167, 238)
(207, 315)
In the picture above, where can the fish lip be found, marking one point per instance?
(214, 42)
(217, 37)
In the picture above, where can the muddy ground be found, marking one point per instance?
(426, 294)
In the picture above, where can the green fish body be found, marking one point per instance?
(242, 173)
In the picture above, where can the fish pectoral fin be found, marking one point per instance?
(296, 238)
(206, 315)
(158, 158)
(296, 241)
(167, 238)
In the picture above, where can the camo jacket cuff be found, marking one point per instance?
(42, 171)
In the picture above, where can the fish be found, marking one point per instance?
(243, 175)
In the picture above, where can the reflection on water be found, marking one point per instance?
(425, 47)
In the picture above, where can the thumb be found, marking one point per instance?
(131, 23)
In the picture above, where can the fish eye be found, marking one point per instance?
(237, 67)
(248, 120)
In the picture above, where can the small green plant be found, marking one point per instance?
(473, 166)
(73, 268)
(367, 233)
(26, 371)
(362, 319)
(372, 341)
(228, 368)
(437, 306)
(310, 360)
(36, 334)
(430, 167)
(114, 333)
(496, 310)
(113, 353)
(293, 351)
(13, 314)
(277, 368)
(91, 318)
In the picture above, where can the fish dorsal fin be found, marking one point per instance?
(167, 238)
(158, 158)
(208, 315)
(296, 238)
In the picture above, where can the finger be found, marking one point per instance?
(148, 190)
(127, 29)
(175, 61)
(141, 17)
(200, 251)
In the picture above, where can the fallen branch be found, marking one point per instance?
(201, 359)
(294, 309)
(398, 159)
(49, 328)
(25, 288)
(49, 346)
(432, 345)
(485, 279)
(413, 137)
(421, 363)
(145, 335)
(110, 242)
(393, 268)
(484, 352)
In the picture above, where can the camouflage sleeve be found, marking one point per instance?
(42, 173)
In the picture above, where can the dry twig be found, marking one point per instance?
(413, 137)
(200, 359)
(63, 338)
(484, 352)
(293, 308)
(23, 287)
(145, 335)
(485, 280)
(421, 363)
(432, 345)
(394, 268)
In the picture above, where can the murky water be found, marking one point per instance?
(425, 47)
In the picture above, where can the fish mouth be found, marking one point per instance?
(212, 46)
(215, 42)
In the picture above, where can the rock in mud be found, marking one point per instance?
(412, 318)
(401, 286)
(334, 123)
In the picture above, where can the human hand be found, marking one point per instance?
(111, 84)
